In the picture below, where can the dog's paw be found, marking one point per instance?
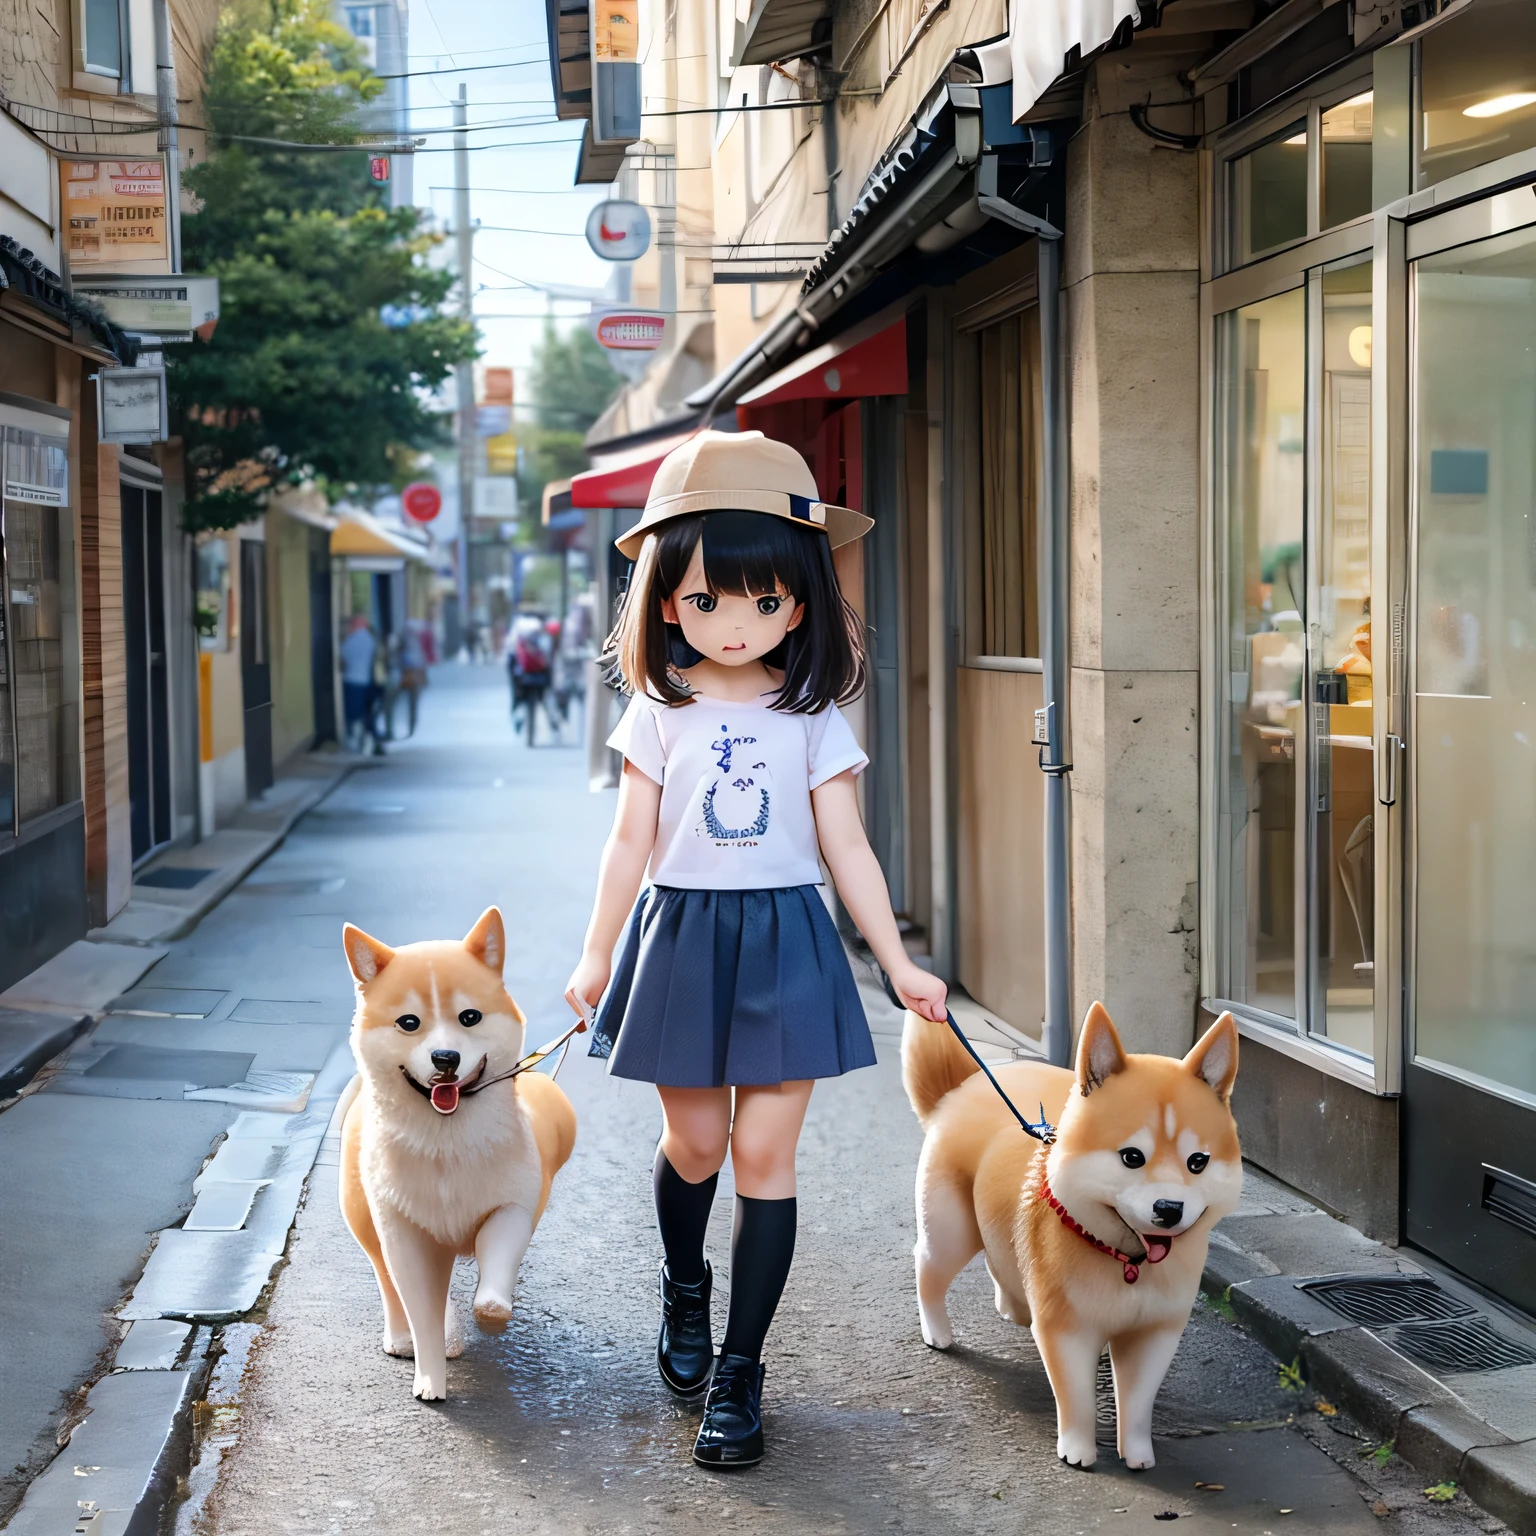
(400, 1345)
(428, 1390)
(937, 1334)
(1137, 1454)
(492, 1312)
(1077, 1450)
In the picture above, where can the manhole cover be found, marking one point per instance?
(1378, 1301)
(1462, 1344)
(172, 877)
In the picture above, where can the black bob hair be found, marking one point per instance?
(746, 554)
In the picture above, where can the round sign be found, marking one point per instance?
(631, 331)
(619, 231)
(421, 502)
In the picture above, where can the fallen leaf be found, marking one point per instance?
(1326, 1408)
(1212, 1487)
(1380, 1510)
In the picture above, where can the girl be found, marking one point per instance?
(733, 992)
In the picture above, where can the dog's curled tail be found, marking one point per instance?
(932, 1063)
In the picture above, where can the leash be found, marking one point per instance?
(532, 1059)
(1042, 1129)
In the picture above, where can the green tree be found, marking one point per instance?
(573, 383)
(330, 338)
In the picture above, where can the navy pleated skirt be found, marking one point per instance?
(738, 988)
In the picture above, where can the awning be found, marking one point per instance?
(360, 533)
(1044, 32)
(869, 359)
(776, 30)
(623, 479)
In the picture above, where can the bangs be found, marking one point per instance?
(751, 554)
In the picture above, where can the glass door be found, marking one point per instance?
(1470, 1086)
(1296, 800)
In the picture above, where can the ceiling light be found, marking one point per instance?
(1497, 106)
(1360, 346)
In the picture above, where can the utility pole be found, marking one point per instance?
(464, 374)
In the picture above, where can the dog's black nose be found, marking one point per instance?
(1165, 1213)
(448, 1061)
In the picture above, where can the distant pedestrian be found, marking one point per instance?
(413, 667)
(357, 652)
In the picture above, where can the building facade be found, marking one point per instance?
(1172, 347)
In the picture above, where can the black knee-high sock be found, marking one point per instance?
(762, 1247)
(682, 1213)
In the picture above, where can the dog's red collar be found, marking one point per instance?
(1132, 1266)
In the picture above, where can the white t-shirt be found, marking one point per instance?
(736, 782)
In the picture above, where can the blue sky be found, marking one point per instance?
(525, 182)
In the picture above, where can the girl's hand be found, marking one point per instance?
(588, 981)
(922, 992)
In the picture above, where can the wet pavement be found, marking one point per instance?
(561, 1424)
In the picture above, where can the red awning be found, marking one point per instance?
(623, 479)
(864, 361)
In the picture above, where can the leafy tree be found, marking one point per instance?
(572, 384)
(303, 378)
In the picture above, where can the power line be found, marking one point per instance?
(469, 69)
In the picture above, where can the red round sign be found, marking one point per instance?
(422, 502)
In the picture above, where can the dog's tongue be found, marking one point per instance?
(1158, 1248)
(445, 1097)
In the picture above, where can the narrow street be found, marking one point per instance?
(561, 1424)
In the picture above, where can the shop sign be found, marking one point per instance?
(378, 167)
(115, 215)
(619, 231)
(421, 502)
(631, 330)
(131, 405)
(167, 310)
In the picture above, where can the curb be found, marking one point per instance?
(1394, 1399)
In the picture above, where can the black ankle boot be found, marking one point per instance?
(732, 1432)
(685, 1348)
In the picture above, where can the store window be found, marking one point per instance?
(1477, 74)
(1345, 162)
(39, 662)
(1267, 193)
(1261, 405)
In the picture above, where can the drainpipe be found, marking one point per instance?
(1051, 722)
(165, 103)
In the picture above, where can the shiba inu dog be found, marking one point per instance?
(1096, 1238)
(442, 1153)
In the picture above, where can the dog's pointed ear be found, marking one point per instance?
(365, 954)
(1099, 1052)
(1214, 1056)
(487, 940)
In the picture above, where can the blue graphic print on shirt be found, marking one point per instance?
(736, 789)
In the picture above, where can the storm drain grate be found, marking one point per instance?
(1420, 1319)
(1463, 1344)
(1379, 1301)
(172, 877)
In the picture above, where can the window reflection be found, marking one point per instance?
(1475, 679)
(1346, 160)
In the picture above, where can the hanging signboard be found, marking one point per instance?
(131, 405)
(619, 231)
(631, 330)
(173, 309)
(115, 215)
(378, 167)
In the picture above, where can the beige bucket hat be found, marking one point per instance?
(740, 471)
